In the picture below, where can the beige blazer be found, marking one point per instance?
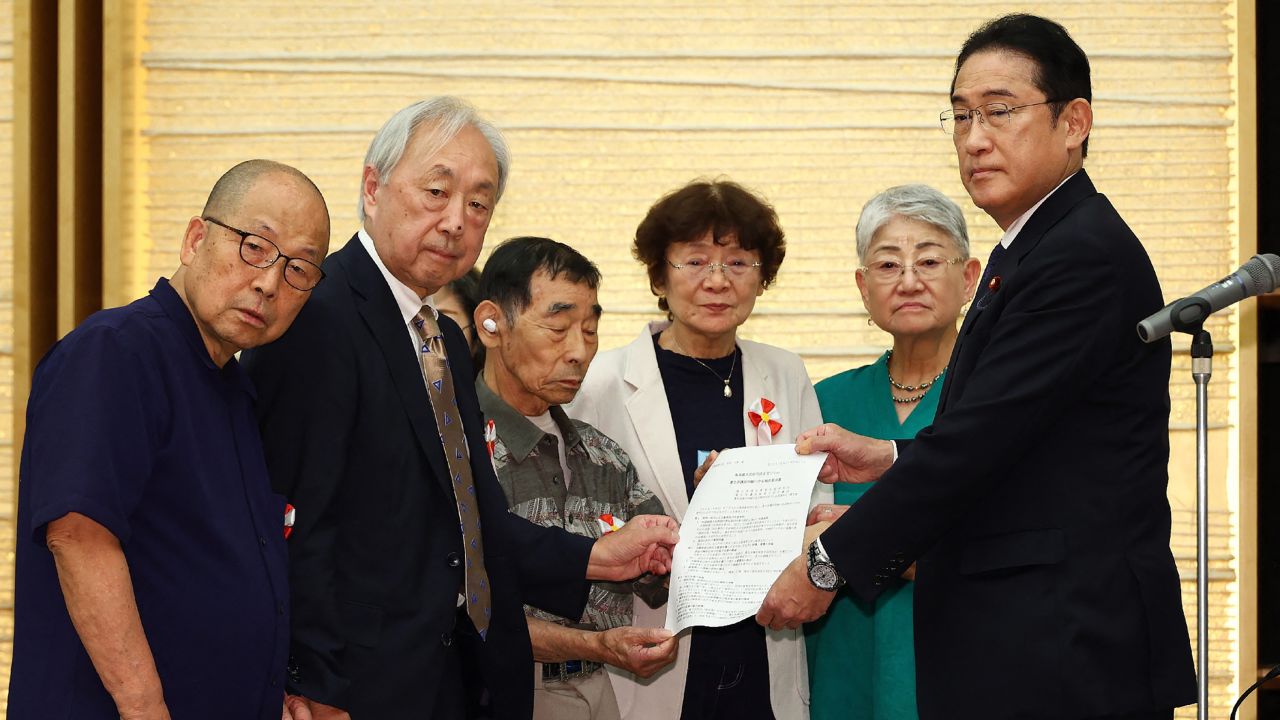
(624, 398)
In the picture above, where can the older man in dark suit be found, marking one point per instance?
(408, 573)
(1035, 504)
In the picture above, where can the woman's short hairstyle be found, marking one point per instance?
(444, 117)
(726, 209)
(914, 202)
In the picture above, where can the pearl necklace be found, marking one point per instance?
(923, 387)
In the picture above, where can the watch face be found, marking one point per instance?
(824, 576)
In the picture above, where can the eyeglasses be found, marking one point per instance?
(926, 268)
(701, 268)
(994, 115)
(261, 253)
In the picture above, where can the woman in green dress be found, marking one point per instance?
(915, 276)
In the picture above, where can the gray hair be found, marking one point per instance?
(445, 116)
(914, 202)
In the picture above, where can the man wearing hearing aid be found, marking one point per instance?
(537, 319)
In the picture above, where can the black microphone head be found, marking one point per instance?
(1261, 274)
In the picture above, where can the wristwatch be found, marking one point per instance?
(822, 573)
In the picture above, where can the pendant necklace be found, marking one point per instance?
(728, 391)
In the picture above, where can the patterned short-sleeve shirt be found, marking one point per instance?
(603, 482)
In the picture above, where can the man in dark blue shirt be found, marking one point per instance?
(151, 577)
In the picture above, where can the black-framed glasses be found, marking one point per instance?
(703, 268)
(994, 115)
(261, 253)
(925, 268)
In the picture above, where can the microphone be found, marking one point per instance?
(1260, 275)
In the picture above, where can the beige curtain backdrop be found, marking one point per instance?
(8, 472)
(608, 104)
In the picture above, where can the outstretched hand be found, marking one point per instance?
(642, 545)
(851, 458)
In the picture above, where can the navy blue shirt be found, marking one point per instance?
(704, 420)
(132, 424)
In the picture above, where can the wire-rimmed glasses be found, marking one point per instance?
(994, 115)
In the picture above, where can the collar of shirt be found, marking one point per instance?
(1012, 233)
(406, 299)
(180, 315)
(518, 433)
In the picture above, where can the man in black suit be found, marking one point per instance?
(395, 615)
(1035, 506)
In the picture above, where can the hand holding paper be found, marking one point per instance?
(743, 526)
(793, 600)
(640, 651)
(852, 458)
(642, 545)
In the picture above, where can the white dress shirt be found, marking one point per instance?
(407, 298)
(1016, 226)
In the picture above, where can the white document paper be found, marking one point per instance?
(744, 524)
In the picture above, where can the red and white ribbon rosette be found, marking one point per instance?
(609, 523)
(764, 415)
(490, 436)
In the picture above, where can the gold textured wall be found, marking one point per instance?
(608, 104)
(8, 468)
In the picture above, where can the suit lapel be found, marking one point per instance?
(651, 419)
(1077, 188)
(1056, 207)
(381, 315)
(755, 378)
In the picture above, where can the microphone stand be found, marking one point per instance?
(1201, 371)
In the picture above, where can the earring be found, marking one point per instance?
(489, 325)
(870, 322)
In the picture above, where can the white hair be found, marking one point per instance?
(445, 117)
(914, 202)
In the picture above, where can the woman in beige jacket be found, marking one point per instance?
(689, 386)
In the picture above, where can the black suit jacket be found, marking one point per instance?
(375, 552)
(1036, 502)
